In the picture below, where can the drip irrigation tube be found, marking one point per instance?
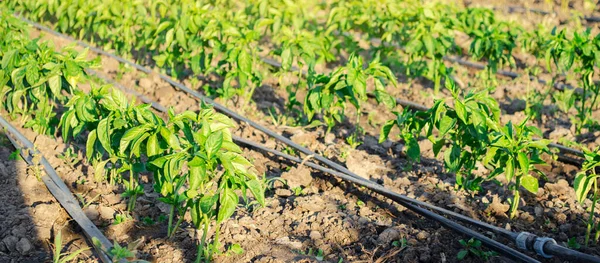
(59, 190)
(541, 245)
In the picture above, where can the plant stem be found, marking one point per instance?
(214, 243)
(171, 214)
(133, 196)
(590, 223)
(516, 199)
(176, 226)
(202, 242)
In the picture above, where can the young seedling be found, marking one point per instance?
(58, 255)
(473, 247)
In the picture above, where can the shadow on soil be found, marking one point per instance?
(19, 236)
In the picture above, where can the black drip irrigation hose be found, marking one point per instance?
(59, 190)
(350, 175)
(548, 245)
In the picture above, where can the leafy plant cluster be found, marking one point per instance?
(580, 53)
(427, 33)
(33, 77)
(201, 37)
(195, 164)
(196, 167)
(467, 130)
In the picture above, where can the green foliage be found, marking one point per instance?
(34, 77)
(514, 153)
(580, 52)
(196, 165)
(461, 123)
(63, 257)
(468, 129)
(585, 182)
(327, 94)
(473, 247)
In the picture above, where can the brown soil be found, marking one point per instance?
(342, 221)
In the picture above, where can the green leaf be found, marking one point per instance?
(207, 202)
(228, 201)
(384, 97)
(197, 173)
(462, 254)
(257, 189)
(152, 147)
(9, 59)
(437, 146)
(523, 162)
(170, 138)
(461, 111)
(244, 62)
(89, 145)
(99, 171)
(180, 36)
(131, 135)
(446, 124)
(236, 249)
(162, 27)
(530, 183)
(169, 38)
(135, 149)
(582, 185)
(452, 158)
(239, 162)
(413, 150)
(385, 130)
(213, 143)
(32, 74)
(55, 84)
(510, 169)
(104, 135)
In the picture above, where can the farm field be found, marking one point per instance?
(381, 87)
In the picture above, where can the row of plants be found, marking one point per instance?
(466, 130)
(208, 38)
(427, 34)
(471, 129)
(197, 169)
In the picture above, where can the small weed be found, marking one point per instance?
(235, 249)
(572, 243)
(148, 221)
(121, 218)
(69, 157)
(473, 247)
(58, 256)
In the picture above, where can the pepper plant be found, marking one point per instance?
(460, 125)
(586, 184)
(327, 94)
(118, 130)
(514, 153)
(33, 76)
(196, 166)
(581, 52)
